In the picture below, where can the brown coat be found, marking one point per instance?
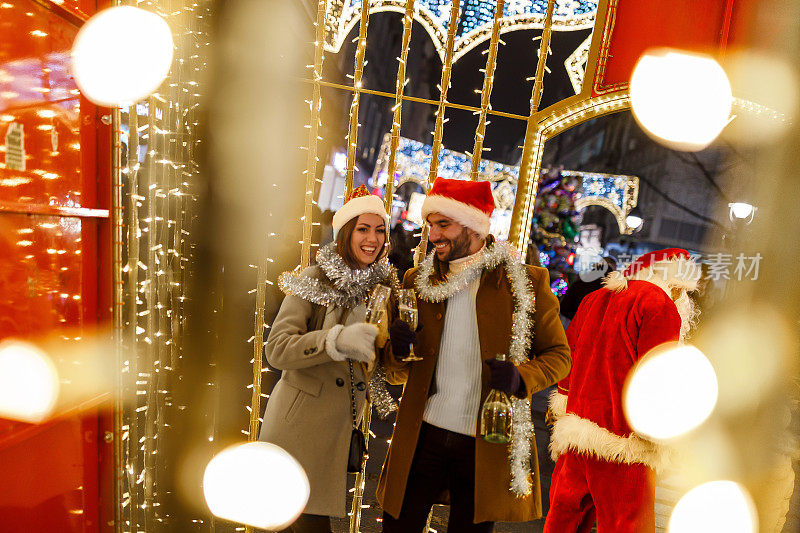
(309, 413)
(550, 361)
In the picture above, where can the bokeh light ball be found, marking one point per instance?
(29, 382)
(670, 391)
(682, 99)
(121, 55)
(256, 483)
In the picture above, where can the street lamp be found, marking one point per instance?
(634, 219)
(741, 211)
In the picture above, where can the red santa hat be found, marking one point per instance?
(667, 268)
(470, 203)
(358, 203)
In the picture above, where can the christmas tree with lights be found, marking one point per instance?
(555, 225)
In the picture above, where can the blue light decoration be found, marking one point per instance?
(475, 21)
(617, 193)
(544, 259)
(559, 287)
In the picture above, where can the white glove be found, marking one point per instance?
(356, 342)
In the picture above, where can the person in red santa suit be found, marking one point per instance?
(604, 471)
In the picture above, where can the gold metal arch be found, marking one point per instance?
(552, 121)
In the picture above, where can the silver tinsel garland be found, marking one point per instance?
(381, 399)
(345, 287)
(522, 324)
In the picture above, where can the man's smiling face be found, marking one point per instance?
(450, 239)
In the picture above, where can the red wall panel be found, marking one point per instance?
(633, 26)
(54, 263)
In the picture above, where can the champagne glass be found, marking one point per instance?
(376, 303)
(407, 306)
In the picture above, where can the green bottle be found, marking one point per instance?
(496, 415)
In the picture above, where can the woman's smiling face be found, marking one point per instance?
(368, 239)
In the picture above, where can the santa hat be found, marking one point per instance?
(668, 268)
(358, 203)
(470, 203)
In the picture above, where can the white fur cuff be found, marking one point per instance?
(330, 343)
(582, 436)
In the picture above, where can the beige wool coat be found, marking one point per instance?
(309, 412)
(549, 362)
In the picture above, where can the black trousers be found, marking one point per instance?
(310, 523)
(442, 461)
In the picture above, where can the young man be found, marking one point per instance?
(476, 300)
(604, 470)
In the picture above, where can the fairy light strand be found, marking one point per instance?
(486, 92)
(358, 73)
(408, 18)
(152, 245)
(313, 136)
(525, 186)
(438, 132)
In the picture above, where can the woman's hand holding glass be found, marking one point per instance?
(376, 304)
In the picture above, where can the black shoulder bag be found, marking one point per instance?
(358, 444)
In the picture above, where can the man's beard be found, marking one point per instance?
(689, 312)
(459, 247)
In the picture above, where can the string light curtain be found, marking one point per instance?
(397, 109)
(156, 146)
(352, 136)
(486, 92)
(438, 132)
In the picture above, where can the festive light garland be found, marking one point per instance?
(541, 130)
(615, 192)
(352, 136)
(414, 159)
(397, 110)
(438, 130)
(522, 325)
(531, 148)
(486, 92)
(476, 24)
(576, 64)
(315, 105)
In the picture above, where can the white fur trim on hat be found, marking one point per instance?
(676, 272)
(359, 206)
(464, 214)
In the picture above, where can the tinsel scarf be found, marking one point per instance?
(522, 323)
(345, 287)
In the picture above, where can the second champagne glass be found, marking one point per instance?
(375, 304)
(407, 307)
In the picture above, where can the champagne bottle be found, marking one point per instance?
(496, 415)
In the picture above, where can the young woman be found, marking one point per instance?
(321, 343)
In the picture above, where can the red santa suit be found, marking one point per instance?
(604, 471)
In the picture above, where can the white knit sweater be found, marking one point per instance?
(455, 403)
